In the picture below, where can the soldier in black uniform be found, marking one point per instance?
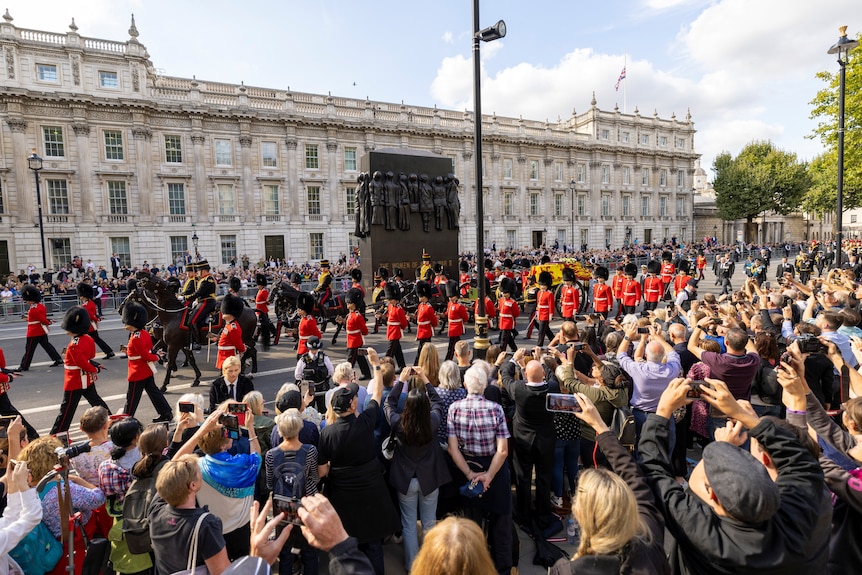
(205, 302)
(803, 267)
(530, 304)
(191, 285)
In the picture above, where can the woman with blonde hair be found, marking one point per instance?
(429, 361)
(455, 546)
(263, 424)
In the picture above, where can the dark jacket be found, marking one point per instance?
(639, 556)
(531, 419)
(705, 543)
(218, 390)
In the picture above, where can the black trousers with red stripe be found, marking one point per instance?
(136, 391)
(71, 399)
(394, 351)
(450, 351)
(30, 349)
(353, 357)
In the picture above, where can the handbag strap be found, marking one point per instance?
(193, 552)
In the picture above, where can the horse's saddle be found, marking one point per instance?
(215, 323)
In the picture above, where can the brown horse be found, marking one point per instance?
(178, 336)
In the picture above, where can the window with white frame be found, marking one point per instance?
(173, 149)
(581, 173)
(644, 139)
(645, 176)
(680, 178)
(52, 139)
(113, 145)
(534, 169)
(228, 248)
(507, 168)
(511, 238)
(609, 234)
(662, 206)
(582, 204)
(626, 204)
(177, 199)
(605, 134)
(269, 154)
(585, 236)
(662, 141)
(122, 247)
(558, 204)
(117, 202)
(223, 153)
(484, 168)
(350, 200)
(626, 175)
(454, 164)
(61, 251)
(662, 177)
(558, 171)
(226, 199)
(680, 142)
(271, 200)
(625, 137)
(315, 245)
(508, 204)
(312, 157)
(606, 204)
(645, 206)
(108, 79)
(349, 159)
(680, 207)
(58, 197)
(534, 204)
(312, 203)
(606, 174)
(179, 247)
(47, 73)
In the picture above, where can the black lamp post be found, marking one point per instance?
(36, 164)
(495, 32)
(195, 245)
(842, 47)
(572, 190)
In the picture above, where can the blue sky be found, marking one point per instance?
(745, 68)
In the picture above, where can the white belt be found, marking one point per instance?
(34, 323)
(353, 331)
(149, 363)
(134, 357)
(227, 348)
(302, 337)
(424, 323)
(544, 307)
(394, 323)
(506, 315)
(71, 367)
(458, 320)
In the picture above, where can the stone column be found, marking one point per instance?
(85, 172)
(200, 179)
(468, 182)
(144, 168)
(334, 185)
(292, 180)
(23, 202)
(249, 212)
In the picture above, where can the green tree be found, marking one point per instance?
(825, 111)
(762, 178)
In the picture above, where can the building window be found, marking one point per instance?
(313, 200)
(122, 248)
(648, 236)
(511, 238)
(61, 251)
(177, 199)
(173, 150)
(558, 171)
(662, 178)
(269, 154)
(223, 156)
(113, 145)
(226, 200)
(352, 242)
(52, 137)
(350, 200)
(454, 165)
(534, 169)
(680, 142)
(852, 218)
(644, 206)
(315, 246)
(645, 176)
(228, 249)
(680, 178)
(507, 168)
(108, 79)
(581, 173)
(609, 234)
(585, 237)
(680, 207)
(582, 205)
(271, 203)
(662, 141)
(179, 247)
(644, 139)
(349, 159)
(606, 174)
(626, 175)
(58, 197)
(606, 204)
(625, 137)
(508, 204)
(312, 160)
(606, 135)
(117, 202)
(626, 207)
(534, 204)
(558, 204)
(46, 72)
(662, 206)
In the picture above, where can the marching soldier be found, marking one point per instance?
(380, 280)
(205, 302)
(396, 321)
(804, 267)
(324, 285)
(603, 297)
(570, 297)
(544, 307)
(464, 278)
(142, 370)
(230, 339)
(356, 328)
(85, 294)
(456, 317)
(652, 285)
(632, 289)
(682, 277)
(37, 328)
(509, 312)
(191, 285)
(490, 310)
(426, 318)
(261, 307)
(668, 270)
(6, 407)
(356, 283)
(307, 323)
(617, 288)
(530, 293)
(426, 270)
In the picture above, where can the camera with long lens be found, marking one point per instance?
(808, 343)
(73, 451)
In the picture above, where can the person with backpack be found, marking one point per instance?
(292, 472)
(135, 524)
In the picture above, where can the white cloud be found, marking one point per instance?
(447, 37)
(664, 4)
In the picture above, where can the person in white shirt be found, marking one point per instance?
(23, 508)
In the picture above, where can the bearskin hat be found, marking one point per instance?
(568, 275)
(354, 296)
(135, 315)
(76, 321)
(392, 291)
(382, 273)
(232, 305)
(356, 274)
(234, 284)
(546, 279)
(398, 272)
(487, 285)
(260, 280)
(295, 278)
(438, 268)
(507, 263)
(452, 289)
(423, 289)
(464, 266)
(630, 269)
(602, 272)
(488, 263)
(666, 256)
(305, 302)
(545, 259)
(508, 286)
(85, 290)
(684, 266)
(653, 267)
(31, 293)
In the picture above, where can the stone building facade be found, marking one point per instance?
(136, 163)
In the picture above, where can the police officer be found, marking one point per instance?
(205, 302)
(315, 367)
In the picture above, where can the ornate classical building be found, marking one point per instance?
(137, 163)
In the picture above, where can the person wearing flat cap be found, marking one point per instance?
(733, 518)
(686, 296)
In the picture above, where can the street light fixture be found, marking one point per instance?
(195, 244)
(495, 32)
(35, 163)
(572, 190)
(842, 47)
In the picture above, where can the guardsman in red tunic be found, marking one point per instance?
(396, 322)
(631, 289)
(603, 297)
(85, 294)
(456, 317)
(489, 271)
(261, 307)
(617, 288)
(307, 323)
(682, 277)
(37, 328)
(356, 283)
(668, 270)
(79, 378)
(570, 297)
(653, 285)
(380, 281)
(356, 328)
(544, 307)
(426, 318)
(464, 278)
(490, 309)
(142, 367)
(230, 339)
(509, 312)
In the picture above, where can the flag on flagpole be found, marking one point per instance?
(621, 78)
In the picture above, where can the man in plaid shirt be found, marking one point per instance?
(478, 445)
